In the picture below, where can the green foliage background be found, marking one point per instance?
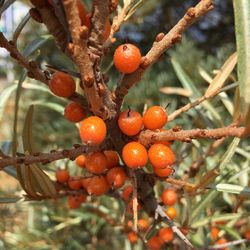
(50, 224)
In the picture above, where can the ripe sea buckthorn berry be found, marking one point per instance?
(161, 156)
(132, 237)
(214, 233)
(74, 112)
(184, 230)
(97, 186)
(85, 181)
(127, 192)
(62, 84)
(130, 122)
(247, 234)
(74, 182)
(163, 172)
(62, 175)
(143, 224)
(116, 177)
(154, 243)
(222, 241)
(155, 118)
(96, 163)
(74, 201)
(93, 130)
(127, 58)
(134, 155)
(171, 212)
(80, 161)
(169, 197)
(112, 158)
(166, 234)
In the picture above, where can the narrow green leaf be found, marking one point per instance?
(35, 45)
(229, 153)
(242, 32)
(187, 83)
(4, 97)
(230, 188)
(27, 130)
(231, 232)
(18, 94)
(20, 27)
(51, 105)
(223, 74)
(10, 200)
(42, 179)
(216, 218)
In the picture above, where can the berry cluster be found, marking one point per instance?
(135, 154)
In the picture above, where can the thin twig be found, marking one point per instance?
(229, 244)
(146, 137)
(45, 158)
(161, 45)
(135, 204)
(162, 214)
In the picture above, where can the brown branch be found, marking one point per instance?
(100, 14)
(161, 45)
(52, 23)
(80, 55)
(46, 158)
(160, 212)
(146, 137)
(31, 66)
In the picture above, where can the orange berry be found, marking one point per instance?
(247, 234)
(127, 58)
(75, 182)
(130, 122)
(171, 212)
(85, 181)
(134, 155)
(62, 175)
(127, 192)
(116, 177)
(169, 197)
(97, 185)
(143, 224)
(155, 118)
(161, 156)
(166, 234)
(74, 112)
(154, 243)
(112, 158)
(130, 224)
(96, 163)
(163, 172)
(132, 237)
(93, 130)
(62, 84)
(74, 201)
(222, 241)
(80, 161)
(214, 233)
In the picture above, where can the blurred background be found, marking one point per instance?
(189, 65)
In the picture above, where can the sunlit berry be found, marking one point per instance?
(96, 163)
(116, 177)
(80, 161)
(169, 197)
(166, 234)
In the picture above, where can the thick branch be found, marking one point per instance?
(45, 158)
(146, 137)
(80, 55)
(161, 45)
(98, 22)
